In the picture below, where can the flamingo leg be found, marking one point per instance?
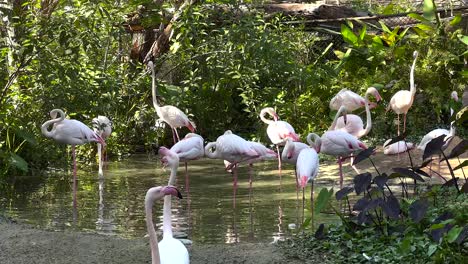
(312, 203)
(187, 183)
(234, 185)
(177, 134)
(250, 180)
(340, 165)
(297, 183)
(74, 176)
(99, 147)
(351, 160)
(398, 123)
(404, 122)
(303, 205)
(279, 159)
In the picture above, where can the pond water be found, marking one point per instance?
(114, 204)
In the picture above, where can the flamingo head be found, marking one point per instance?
(272, 112)
(171, 190)
(375, 93)
(454, 96)
(415, 54)
(168, 157)
(99, 139)
(303, 181)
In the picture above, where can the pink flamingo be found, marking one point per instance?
(103, 127)
(290, 153)
(450, 134)
(402, 101)
(71, 132)
(307, 169)
(336, 143)
(278, 131)
(232, 148)
(168, 113)
(351, 100)
(189, 148)
(397, 147)
(169, 250)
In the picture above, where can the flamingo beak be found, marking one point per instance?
(304, 180)
(317, 149)
(345, 119)
(171, 190)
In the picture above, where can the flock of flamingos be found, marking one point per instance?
(341, 140)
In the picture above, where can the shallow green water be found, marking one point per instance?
(115, 204)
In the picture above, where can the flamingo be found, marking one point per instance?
(169, 250)
(336, 143)
(307, 169)
(351, 100)
(278, 131)
(354, 124)
(71, 132)
(189, 148)
(402, 101)
(440, 131)
(103, 127)
(232, 148)
(397, 147)
(168, 113)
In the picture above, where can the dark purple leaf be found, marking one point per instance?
(445, 216)
(361, 204)
(464, 189)
(391, 207)
(425, 163)
(343, 193)
(437, 234)
(320, 233)
(421, 172)
(463, 235)
(374, 203)
(433, 147)
(450, 182)
(363, 218)
(459, 149)
(381, 180)
(408, 173)
(396, 139)
(363, 155)
(463, 164)
(362, 182)
(418, 210)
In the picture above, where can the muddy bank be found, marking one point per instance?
(20, 243)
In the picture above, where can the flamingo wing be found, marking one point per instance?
(353, 124)
(174, 116)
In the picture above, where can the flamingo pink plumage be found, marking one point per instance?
(402, 101)
(71, 132)
(349, 99)
(103, 127)
(168, 113)
(278, 131)
(307, 167)
(397, 147)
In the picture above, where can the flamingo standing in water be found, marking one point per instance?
(71, 132)
(168, 113)
(450, 134)
(336, 143)
(232, 148)
(189, 148)
(402, 101)
(307, 169)
(278, 131)
(169, 250)
(103, 127)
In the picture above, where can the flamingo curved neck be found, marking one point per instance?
(338, 114)
(153, 89)
(368, 119)
(316, 143)
(263, 118)
(44, 126)
(209, 153)
(167, 211)
(452, 127)
(155, 258)
(412, 86)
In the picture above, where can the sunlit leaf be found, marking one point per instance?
(463, 235)
(429, 9)
(322, 199)
(348, 35)
(418, 17)
(453, 234)
(418, 209)
(432, 248)
(456, 20)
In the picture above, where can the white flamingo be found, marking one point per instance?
(103, 127)
(307, 168)
(168, 113)
(71, 132)
(351, 100)
(169, 250)
(397, 147)
(402, 101)
(278, 131)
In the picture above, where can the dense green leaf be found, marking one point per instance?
(322, 199)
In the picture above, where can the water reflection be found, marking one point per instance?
(114, 203)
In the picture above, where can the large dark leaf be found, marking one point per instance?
(408, 173)
(421, 172)
(374, 203)
(320, 233)
(396, 139)
(425, 163)
(459, 149)
(361, 204)
(433, 147)
(391, 207)
(464, 189)
(363, 218)
(362, 182)
(438, 233)
(418, 210)
(463, 164)
(343, 193)
(450, 182)
(363, 155)
(381, 180)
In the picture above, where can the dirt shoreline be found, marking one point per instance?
(21, 243)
